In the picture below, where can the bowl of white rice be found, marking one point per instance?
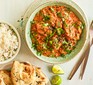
(9, 42)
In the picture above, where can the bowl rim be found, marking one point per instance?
(19, 41)
(84, 47)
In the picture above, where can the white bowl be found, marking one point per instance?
(19, 43)
(80, 47)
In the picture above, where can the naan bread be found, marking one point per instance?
(22, 73)
(5, 78)
(27, 74)
(41, 79)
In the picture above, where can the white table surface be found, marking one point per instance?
(12, 10)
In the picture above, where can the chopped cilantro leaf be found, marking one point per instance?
(45, 24)
(50, 49)
(68, 9)
(60, 31)
(65, 24)
(52, 9)
(59, 14)
(55, 40)
(68, 51)
(45, 46)
(52, 55)
(34, 46)
(62, 55)
(64, 42)
(38, 53)
(46, 18)
(51, 42)
(32, 22)
(49, 36)
(81, 26)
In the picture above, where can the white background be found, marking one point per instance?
(12, 10)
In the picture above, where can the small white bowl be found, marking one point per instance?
(19, 42)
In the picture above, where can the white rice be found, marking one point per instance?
(8, 42)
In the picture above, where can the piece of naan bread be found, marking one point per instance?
(27, 74)
(5, 78)
(22, 73)
(41, 79)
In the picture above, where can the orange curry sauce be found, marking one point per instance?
(55, 31)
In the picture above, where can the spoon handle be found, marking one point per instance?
(84, 63)
(77, 65)
(87, 53)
